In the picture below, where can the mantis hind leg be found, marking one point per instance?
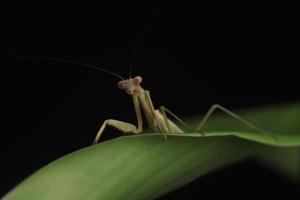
(122, 126)
(235, 116)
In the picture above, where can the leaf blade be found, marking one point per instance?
(146, 166)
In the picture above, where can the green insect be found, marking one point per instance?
(156, 118)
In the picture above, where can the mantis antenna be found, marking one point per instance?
(78, 63)
(139, 42)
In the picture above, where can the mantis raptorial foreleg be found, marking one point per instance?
(152, 113)
(125, 127)
(122, 126)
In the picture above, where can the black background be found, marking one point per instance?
(191, 56)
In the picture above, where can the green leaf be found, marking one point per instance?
(147, 166)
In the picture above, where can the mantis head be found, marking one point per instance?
(131, 85)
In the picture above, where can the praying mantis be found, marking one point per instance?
(156, 118)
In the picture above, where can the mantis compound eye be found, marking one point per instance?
(138, 80)
(120, 84)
